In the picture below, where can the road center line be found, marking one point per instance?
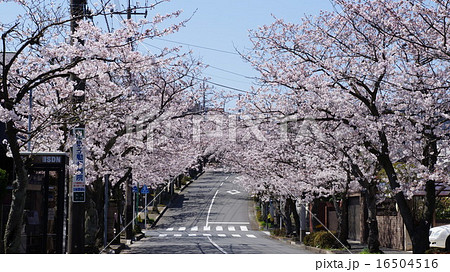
(207, 220)
(223, 181)
(210, 207)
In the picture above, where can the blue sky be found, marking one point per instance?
(224, 25)
(220, 25)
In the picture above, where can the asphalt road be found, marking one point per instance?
(212, 216)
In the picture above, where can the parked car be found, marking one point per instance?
(440, 237)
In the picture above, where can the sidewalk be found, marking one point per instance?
(356, 248)
(116, 249)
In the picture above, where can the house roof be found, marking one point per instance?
(442, 190)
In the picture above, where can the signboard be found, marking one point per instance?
(144, 190)
(51, 159)
(79, 181)
(135, 189)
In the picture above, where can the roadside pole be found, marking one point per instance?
(145, 213)
(77, 186)
(135, 191)
(145, 191)
(105, 212)
(137, 205)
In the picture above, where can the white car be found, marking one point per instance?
(440, 237)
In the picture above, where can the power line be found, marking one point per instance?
(210, 66)
(199, 46)
(226, 78)
(225, 86)
(145, 44)
(227, 71)
(206, 80)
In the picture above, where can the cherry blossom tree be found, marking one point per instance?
(341, 69)
(278, 161)
(119, 85)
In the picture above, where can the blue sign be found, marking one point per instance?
(135, 189)
(144, 190)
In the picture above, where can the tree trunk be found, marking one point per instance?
(296, 217)
(430, 156)
(2, 247)
(14, 225)
(372, 242)
(342, 217)
(91, 226)
(286, 214)
(97, 192)
(155, 200)
(405, 211)
(370, 187)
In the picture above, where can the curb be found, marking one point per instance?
(328, 251)
(302, 246)
(116, 249)
(316, 250)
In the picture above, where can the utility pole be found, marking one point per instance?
(129, 207)
(129, 211)
(76, 220)
(130, 12)
(105, 209)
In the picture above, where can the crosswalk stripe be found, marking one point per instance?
(207, 235)
(208, 228)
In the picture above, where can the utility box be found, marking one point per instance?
(45, 216)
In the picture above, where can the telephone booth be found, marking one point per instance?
(45, 208)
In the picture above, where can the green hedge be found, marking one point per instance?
(321, 239)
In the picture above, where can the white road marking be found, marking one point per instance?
(236, 235)
(194, 228)
(231, 228)
(219, 228)
(162, 235)
(206, 234)
(217, 246)
(192, 234)
(244, 228)
(221, 235)
(229, 223)
(251, 236)
(170, 229)
(206, 228)
(177, 235)
(210, 207)
(182, 229)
